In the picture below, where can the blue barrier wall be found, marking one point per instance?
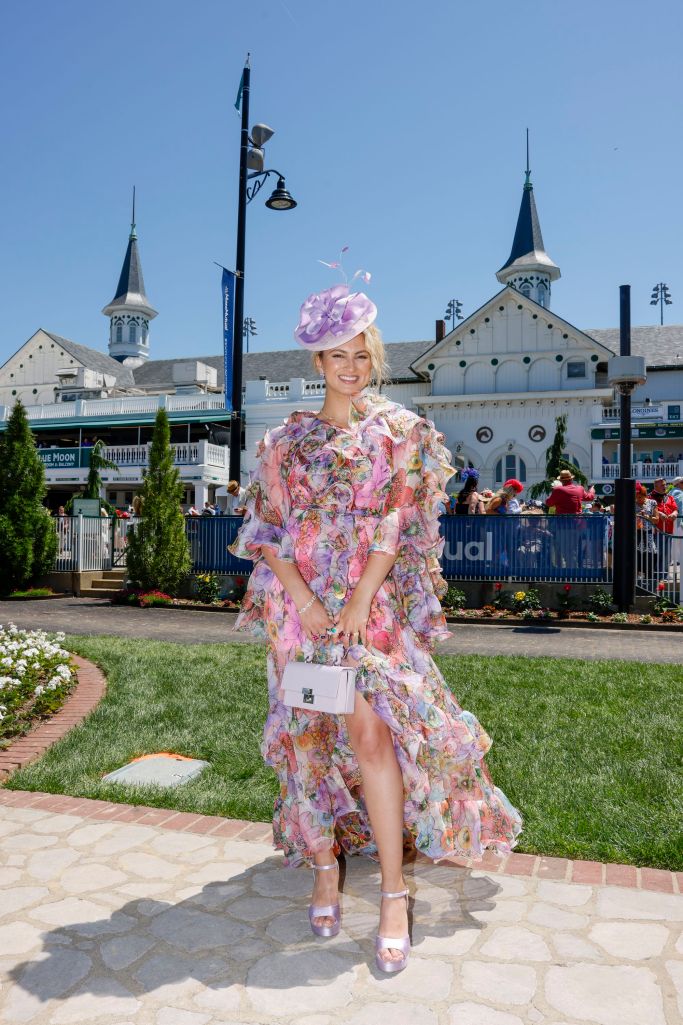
(476, 547)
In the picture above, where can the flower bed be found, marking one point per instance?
(36, 675)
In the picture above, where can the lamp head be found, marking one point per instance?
(281, 199)
(260, 134)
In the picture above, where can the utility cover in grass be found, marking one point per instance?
(162, 770)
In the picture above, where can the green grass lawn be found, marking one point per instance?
(590, 752)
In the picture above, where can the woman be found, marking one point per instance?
(647, 520)
(342, 523)
(505, 499)
(469, 502)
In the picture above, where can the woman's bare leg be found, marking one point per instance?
(371, 741)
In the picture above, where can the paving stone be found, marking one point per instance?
(220, 999)
(170, 844)
(679, 944)
(18, 938)
(497, 886)
(193, 930)
(98, 996)
(402, 1013)
(15, 860)
(49, 864)
(151, 908)
(202, 855)
(572, 895)
(176, 1016)
(607, 994)
(145, 890)
(618, 902)
(83, 916)
(477, 1014)
(56, 824)
(27, 814)
(675, 970)
(575, 948)
(9, 876)
(123, 951)
(83, 878)
(428, 940)
(149, 866)
(556, 918)
(426, 975)
(311, 980)
(502, 911)
(283, 883)
(215, 872)
(636, 942)
(7, 827)
(21, 897)
(255, 909)
(122, 838)
(90, 834)
(28, 841)
(291, 928)
(169, 976)
(215, 896)
(500, 983)
(47, 978)
(516, 944)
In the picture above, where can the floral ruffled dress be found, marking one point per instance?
(326, 498)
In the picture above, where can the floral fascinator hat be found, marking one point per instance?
(336, 315)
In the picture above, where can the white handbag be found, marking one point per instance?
(319, 688)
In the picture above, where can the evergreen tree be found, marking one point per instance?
(555, 461)
(158, 552)
(28, 539)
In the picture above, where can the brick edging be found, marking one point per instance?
(530, 865)
(87, 694)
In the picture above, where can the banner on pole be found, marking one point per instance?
(228, 291)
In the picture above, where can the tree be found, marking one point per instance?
(158, 553)
(555, 461)
(28, 539)
(98, 461)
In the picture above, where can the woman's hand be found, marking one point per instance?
(352, 622)
(316, 621)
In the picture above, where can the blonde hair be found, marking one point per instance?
(378, 359)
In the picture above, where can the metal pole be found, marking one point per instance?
(236, 416)
(624, 551)
(661, 304)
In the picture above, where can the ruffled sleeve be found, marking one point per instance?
(267, 503)
(416, 498)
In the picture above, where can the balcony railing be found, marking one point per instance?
(130, 404)
(193, 453)
(664, 410)
(645, 471)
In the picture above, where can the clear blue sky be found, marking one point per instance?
(399, 126)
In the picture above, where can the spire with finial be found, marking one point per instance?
(529, 269)
(130, 311)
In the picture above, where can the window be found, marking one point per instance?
(526, 290)
(119, 332)
(131, 333)
(513, 466)
(576, 368)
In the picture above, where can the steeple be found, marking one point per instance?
(528, 268)
(130, 311)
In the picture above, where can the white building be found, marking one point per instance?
(493, 385)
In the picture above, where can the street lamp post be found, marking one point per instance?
(279, 200)
(453, 312)
(661, 296)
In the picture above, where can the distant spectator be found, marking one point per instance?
(499, 505)
(468, 500)
(238, 496)
(193, 511)
(667, 506)
(566, 496)
(208, 509)
(677, 495)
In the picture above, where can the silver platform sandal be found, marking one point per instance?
(389, 942)
(325, 911)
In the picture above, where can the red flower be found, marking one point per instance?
(497, 587)
(661, 586)
(567, 587)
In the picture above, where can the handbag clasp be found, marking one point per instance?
(307, 693)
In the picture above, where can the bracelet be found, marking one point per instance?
(306, 607)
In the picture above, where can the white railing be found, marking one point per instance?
(116, 407)
(314, 387)
(277, 389)
(216, 455)
(644, 471)
(83, 543)
(659, 558)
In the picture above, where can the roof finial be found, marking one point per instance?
(527, 182)
(133, 233)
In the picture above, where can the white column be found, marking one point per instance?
(201, 495)
(596, 460)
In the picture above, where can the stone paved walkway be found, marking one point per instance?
(125, 923)
(96, 616)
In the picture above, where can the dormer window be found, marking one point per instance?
(119, 333)
(131, 334)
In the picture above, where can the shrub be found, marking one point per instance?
(600, 602)
(565, 598)
(158, 554)
(36, 674)
(673, 615)
(207, 588)
(526, 600)
(592, 617)
(646, 619)
(620, 617)
(28, 539)
(454, 598)
(151, 598)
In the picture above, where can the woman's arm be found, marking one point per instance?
(493, 504)
(315, 620)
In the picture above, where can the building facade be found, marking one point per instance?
(494, 385)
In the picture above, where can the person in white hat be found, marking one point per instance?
(342, 523)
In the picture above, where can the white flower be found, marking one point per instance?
(39, 690)
(63, 671)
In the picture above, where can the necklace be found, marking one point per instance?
(332, 420)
